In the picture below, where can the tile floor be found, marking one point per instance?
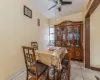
(78, 72)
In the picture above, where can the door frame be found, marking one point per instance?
(92, 8)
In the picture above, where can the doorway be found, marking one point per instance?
(91, 45)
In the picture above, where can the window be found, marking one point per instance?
(51, 36)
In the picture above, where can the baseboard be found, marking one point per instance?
(96, 69)
(17, 74)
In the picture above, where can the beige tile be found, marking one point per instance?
(75, 77)
(75, 64)
(76, 71)
(82, 64)
(21, 76)
(96, 73)
(86, 69)
(88, 75)
(87, 79)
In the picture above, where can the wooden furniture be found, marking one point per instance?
(34, 68)
(66, 62)
(70, 34)
(34, 45)
(52, 58)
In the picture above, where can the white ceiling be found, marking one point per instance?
(44, 5)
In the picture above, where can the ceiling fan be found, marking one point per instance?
(59, 3)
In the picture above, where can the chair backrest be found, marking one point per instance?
(34, 45)
(29, 56)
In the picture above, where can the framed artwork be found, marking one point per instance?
(38, 22)
(27, 12)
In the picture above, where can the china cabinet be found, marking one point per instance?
(70, 34)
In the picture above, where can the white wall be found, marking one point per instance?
(43, 34)
(17, 30)
(95, 38)
(73, 17)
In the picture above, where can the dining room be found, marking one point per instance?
(48, 40)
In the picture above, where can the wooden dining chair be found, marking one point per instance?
(66, 62)
(33, 68)
(34, 45)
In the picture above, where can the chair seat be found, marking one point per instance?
(40, 69)
(64, 63)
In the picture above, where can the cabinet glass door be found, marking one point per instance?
(69, 35)
(76, 37)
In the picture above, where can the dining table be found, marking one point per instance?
(52, 57)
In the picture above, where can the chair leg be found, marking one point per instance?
(61, 74)
(48, 74)
(69, 74)
(27, 76)
(37, 77)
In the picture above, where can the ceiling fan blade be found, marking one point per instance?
(65, 2)
(52, 7)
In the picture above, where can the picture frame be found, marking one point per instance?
(27, 12)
